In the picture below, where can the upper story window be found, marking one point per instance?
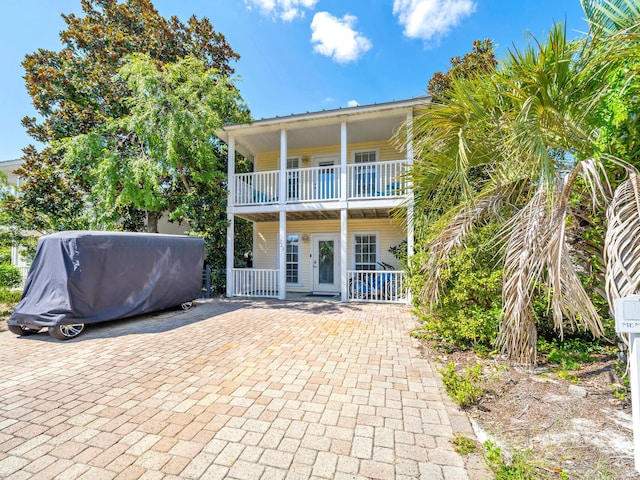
(365, 156)
(365, 176)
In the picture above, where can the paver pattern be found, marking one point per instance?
(232, 389)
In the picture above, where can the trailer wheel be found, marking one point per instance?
(186, 306)
(66, 332)
(22, 330)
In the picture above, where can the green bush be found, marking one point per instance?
(10, 276)
(470, 308)
(5, 255)
(462, 388)
(9, 296)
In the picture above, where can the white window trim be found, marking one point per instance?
(295, 157)
(335, 156)
(353, 247)
(299, 284)
(364, 150)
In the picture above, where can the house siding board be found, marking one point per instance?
(269, 161)
(266, 234)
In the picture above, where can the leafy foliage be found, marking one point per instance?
(531, 146)
(76, 90)
(520, 466)
(462, 387)
(469, 310)
(160, 158)
(480, 60)
(9, 297)
(9, 276)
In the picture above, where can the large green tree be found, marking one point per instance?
(76, 90)
(161, 157)
(534, 128)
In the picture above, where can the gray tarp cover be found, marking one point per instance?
(89, 277)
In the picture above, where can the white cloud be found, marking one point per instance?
(287, 10)
(431, 19)
(352, 103)
(336, 38)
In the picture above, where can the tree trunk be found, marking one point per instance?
(152, 222)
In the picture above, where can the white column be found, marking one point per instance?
(282, 247)
(343, 254)
(231, 167)
(343, 161)
(230, 255)
(282, 187)
(411, 195)
(282, 256)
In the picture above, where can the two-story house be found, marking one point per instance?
(323, 198)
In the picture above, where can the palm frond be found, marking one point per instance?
(569, 300)
(622, 255)
(523, 267)
(452, 236)
(607, 17)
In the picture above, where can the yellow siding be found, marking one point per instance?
(270, 160)
(389, 231)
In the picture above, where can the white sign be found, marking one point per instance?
(628, 314)
(628, 321)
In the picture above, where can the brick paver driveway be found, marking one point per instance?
(234, 389)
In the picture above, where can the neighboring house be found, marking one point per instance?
(18, 256)
(321, 200)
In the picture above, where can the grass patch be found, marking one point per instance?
(519, 467)
(462, 387)
(463, 445)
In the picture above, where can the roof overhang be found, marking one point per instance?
(365, 123)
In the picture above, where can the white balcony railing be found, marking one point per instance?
(379, 179)
(313, 184)
(374, 180)
(256, 188)
(254, 282)
(377, 286)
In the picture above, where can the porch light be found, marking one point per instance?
(305, 237)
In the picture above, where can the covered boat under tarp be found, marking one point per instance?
(81, 277)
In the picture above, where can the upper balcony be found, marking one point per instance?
(383, 182)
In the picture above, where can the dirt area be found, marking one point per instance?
(571, 428)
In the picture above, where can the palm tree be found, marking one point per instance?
(511, 147)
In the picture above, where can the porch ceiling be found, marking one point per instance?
(360, 213)
(380, 129)
(372, 123)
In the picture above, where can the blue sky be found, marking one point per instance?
(303, 55)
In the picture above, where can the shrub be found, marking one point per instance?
(462, 388)
(10, 276)
(8, 296)
(470, 308)
(5, 255)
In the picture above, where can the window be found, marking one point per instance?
(366, 251)
(293, 258)
(293, 178)
(365, 175)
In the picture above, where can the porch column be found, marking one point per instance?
(230, 255)
(282, 256)
(282, 183)
(231, 167)
(411, 195)
(343, 254)
(343, 161)
(282, 197)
